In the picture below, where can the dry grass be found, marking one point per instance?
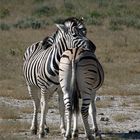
(117, 51)
(120, 69)
(121, 117)
(11, 126)
(27, 110)
(103, 103)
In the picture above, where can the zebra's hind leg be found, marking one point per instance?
(93, 116)
(46, 128)
(34, 95)
(44, 108)
(75, 125)
(68, 114)
(62, 113)
(84, 112)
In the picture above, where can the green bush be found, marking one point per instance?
(96, 14)
(59, 20)
(37, 1)
(44, 10)
(69, 6)
(125, 21)
(4, 12)
(4, 26)
(92, 19)
(30, 23)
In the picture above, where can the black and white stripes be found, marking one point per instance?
(41, 66)
(80, 75)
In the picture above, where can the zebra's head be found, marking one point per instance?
(73, 21)
(71, 35)
(69, 22)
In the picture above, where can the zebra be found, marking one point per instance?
(48, 41)
(41, 70)
(80, 76)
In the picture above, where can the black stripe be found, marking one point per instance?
(89, 83)
(65, 44)
(63, 47)
(56, 83)
(65, 56)
(66, 98)
(76, 53)
(49, 65)
(92, 71)
(55, 65)
(86, 99)
(85, 104)
(87, 57)
(58, 56)
(61, 69)
(61, 80)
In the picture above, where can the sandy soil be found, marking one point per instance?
(125, 129)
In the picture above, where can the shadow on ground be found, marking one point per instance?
(124, 136)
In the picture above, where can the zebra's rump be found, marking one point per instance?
(89, 72)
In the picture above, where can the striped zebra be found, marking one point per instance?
(41, 69)
(80, 76)
(48, 41)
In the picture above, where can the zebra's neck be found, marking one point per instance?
(60, 45)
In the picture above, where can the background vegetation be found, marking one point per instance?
(115, 14)
(113, 25)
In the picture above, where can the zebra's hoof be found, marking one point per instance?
(75, 134)
(68, 137)
(47, 130)
(41, 135)
(90, 137)
(34, 132)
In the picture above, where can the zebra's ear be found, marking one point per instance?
(62, 27)
(82, 19)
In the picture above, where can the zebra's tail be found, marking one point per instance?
(74, 91)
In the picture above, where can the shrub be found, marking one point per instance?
(93, 21)
(4, 26)
(30, 23)
(44, 10)
(69, 6)
(96, 14)
(4, 13)
(129, 21)
(58, 20)
(37, 1)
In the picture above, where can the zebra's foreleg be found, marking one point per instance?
(62, 113)
(44, 108)
(84, 112)
(35, 99)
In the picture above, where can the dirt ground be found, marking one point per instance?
(112, 125)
